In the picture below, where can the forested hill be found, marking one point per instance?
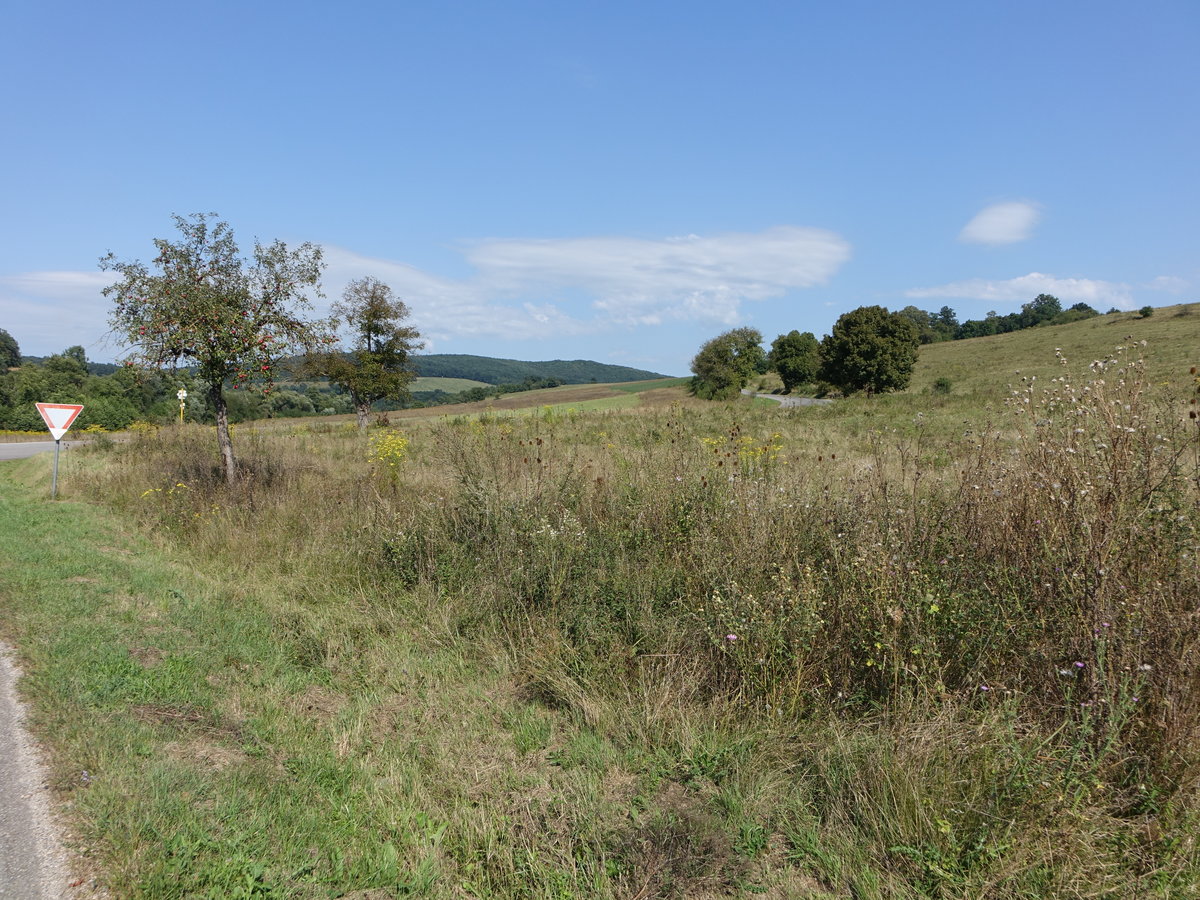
(514, 371)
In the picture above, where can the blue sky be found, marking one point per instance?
(616, 181)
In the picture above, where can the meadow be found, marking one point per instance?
(938, 644)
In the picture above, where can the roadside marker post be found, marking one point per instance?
(58, 418)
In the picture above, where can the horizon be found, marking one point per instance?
(617, 184)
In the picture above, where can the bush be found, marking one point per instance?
(1146, 312)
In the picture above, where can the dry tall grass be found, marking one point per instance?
(942, 648)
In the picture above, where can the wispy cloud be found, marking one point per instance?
(532, 287)
(1026, 287)
(50, 311)
(1169, 283)
(516, 288)
(1002, 223)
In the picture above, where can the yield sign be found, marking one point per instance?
(58, 417)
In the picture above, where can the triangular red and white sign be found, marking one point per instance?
(58, 417)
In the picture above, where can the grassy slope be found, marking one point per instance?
(985, 366)
(256, 722)
(449, 385)
(511, 371)
(572, 396)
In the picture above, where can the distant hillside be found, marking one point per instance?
(987, 365)
(513, 371)
(94, 368)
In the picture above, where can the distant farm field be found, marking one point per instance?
(449, 385)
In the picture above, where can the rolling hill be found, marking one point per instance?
(513, 371)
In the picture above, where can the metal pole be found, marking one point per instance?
(54, 479)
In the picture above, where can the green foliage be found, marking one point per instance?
(112, 402)
(725, 363)
(10, 353)
(796, 357)
(1146, 312)
(376, 366)
(870, 349)
(931, 327)
(205, 305)
(512, 371)
(1042, 308)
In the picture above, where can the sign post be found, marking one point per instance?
(58, 418)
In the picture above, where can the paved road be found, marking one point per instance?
(32, 865)
(788, 402)
(22, 449)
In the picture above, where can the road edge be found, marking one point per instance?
(32, 794)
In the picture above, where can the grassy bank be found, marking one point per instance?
(906, 648)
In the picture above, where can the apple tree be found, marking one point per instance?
(200, 304)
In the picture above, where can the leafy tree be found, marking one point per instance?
(947, 320)
(1041, 308)
(10, 353)
(78, 354)
(870, 349)
(377, 364)
(724, 363)
(922, 321)
(68, 366)
(204, 305)
(1076, 313)
(796, 357)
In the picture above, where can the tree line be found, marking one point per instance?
(203, 317)
(869, 349)
(1044, 309)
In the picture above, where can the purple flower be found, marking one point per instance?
(1079, 665)
(731, 637)
(984, 687)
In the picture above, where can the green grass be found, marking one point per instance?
(505, 669)
(449, 385)
(598, 405)
(986, 366)
(638, 387)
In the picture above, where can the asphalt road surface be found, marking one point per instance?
(32, 865)
(788, 402)
(22, 449)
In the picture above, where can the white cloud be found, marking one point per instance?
(1001, 223)
(519, 288)
(1025, 288)
(49, 311)
(533, 288)
(1169, 283)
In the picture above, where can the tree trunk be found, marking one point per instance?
(216, 397)
(364, 411)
